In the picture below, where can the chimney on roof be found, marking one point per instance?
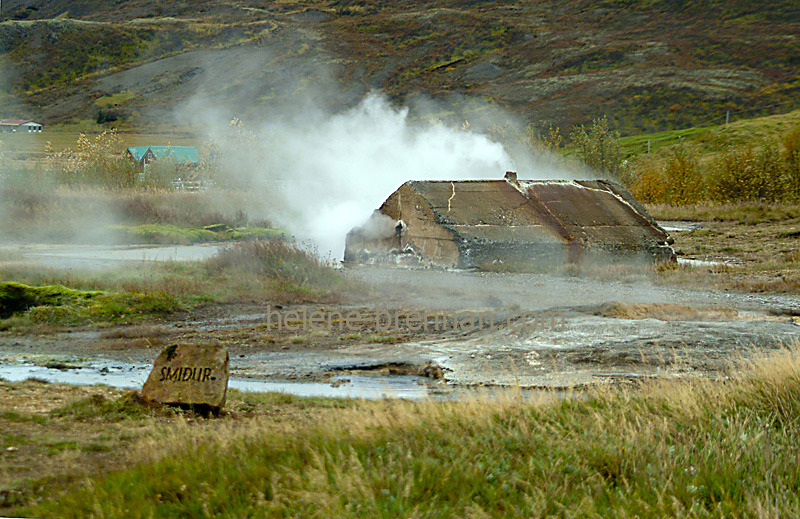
(511, 176)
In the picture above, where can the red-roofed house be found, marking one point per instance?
(19, 126)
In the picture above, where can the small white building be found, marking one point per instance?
(19, 126)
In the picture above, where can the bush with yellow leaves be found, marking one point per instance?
(94, 162)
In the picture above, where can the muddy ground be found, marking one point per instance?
(448, 329)
(453, 329)
(426, 333)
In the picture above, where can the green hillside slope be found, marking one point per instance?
(712, 139)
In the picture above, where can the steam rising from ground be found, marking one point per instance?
(321, 175)
(317, 169)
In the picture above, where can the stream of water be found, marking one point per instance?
(133, 376)
(104, 256)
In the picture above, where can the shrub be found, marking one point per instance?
(791, 160)
(683, 180)
(97, 163)
(280, 260)
(749, 174)
(760, 172)
(645, 181)
(677, 180)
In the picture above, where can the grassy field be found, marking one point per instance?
(29, 151)
(715, 138)
(690, 448)
(708, 139)
(38, 208)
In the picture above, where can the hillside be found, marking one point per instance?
(710, 139)
(649, 66)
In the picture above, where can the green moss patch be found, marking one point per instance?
(16, 297)
(57, 304)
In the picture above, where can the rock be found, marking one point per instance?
(194, 375)
(432, 370)
(61, 366)
(312, 16)
(218, 227)
(483, 72)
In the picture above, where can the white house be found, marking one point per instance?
(19, 126)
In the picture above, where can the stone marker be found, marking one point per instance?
(189, 374)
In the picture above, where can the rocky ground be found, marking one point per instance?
(457, 329)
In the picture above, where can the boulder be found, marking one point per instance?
(193, 375)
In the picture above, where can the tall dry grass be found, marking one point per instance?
(97, 162)
(292, 270)
(79, 191)
(691, 448)
(36, 209)
(744, 212)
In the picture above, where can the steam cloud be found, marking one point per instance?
(320, 175)
(318, 170)
(310, 169)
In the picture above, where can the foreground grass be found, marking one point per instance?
(54, 433)
(679, 448)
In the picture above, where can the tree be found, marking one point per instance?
(94, 162)
(599, 148)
